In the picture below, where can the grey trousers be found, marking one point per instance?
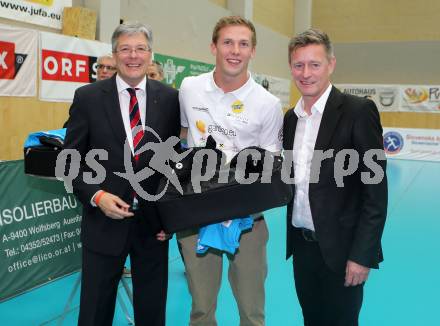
(247, 274)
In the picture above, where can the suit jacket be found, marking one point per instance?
(95, 122)
(348, 220)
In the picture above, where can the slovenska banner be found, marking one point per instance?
(66, 64)
(18, 61)
(412, 144)
(40, 226)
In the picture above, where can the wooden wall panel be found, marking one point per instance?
(79, 22)
(377, 20)
(20, 116)
(410, 120)
(396, 63)
(221, 3)
(276, 15)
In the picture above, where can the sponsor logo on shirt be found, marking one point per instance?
(201, 142)
(220, 130)
(201, 126)
(237, 117)
(200, 109)
(237, 107)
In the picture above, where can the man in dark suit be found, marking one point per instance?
(336, 219)
(116, 220)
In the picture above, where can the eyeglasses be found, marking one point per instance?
(125, 50)
(100, 66)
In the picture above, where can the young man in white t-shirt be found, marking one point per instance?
(229, 105)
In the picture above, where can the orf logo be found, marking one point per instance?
(10, 62)
(392, 142)
(67, 67)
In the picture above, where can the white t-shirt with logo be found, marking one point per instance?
(248, 116)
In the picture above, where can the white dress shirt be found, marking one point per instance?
(306, 132)
(124, 103)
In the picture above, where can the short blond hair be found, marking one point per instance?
(233, 21)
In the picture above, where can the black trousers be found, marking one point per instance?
(324, 299)
(101, 275)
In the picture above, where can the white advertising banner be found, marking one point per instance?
(66, 64)
(412, 144)
(420, 98)
(408, 98)
(279, 87)
(386, 97)
(18, 61)
(47, 13)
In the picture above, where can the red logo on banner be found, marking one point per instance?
(62, 66)
(7, 60)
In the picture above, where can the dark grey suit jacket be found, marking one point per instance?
(95, 122)
(348, 220)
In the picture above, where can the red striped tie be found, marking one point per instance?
(137, 131)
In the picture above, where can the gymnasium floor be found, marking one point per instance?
(405, 291)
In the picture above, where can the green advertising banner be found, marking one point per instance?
(175, 69)
(39, 230)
